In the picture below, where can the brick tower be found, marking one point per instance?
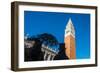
(69, 40)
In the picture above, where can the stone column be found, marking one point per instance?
(45, 54)
(52, 57)
(49, 56)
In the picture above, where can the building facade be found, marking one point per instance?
(49, 54)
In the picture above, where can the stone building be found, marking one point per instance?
(69, 40)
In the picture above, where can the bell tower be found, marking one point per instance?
(69, 40)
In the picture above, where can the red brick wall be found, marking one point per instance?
(70, 47)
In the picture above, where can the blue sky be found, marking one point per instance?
(54, 23)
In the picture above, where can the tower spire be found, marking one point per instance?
(69, 40)
(70, 28)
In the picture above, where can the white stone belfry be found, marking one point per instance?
(70, 29)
